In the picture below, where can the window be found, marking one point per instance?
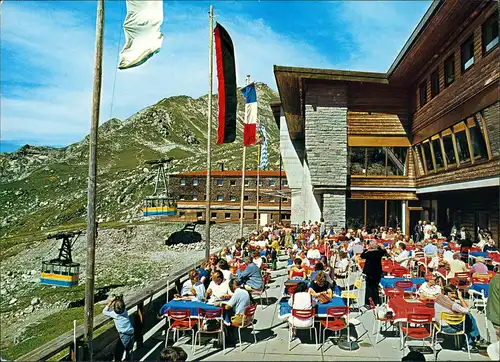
(462, 145)
(449, 150)
(195, 182)
(467, 54)
(232, 182)
(427, 156)
(219, 198)
(247, 183)
(182, 213)
(245, 197)
(438, 154)
(199, 214)
(396, 161)
(260, 198)
(375, 161)
(227, 215)
(182, 182)
(394, 213)
(272, 200)
(284, 183)
(214, 215)
(357, 157)
(182, 197)
(449, 70)
(477, 139)
(423, 93)
(285, 199)
(355, 213)
(219, 182)
(375, 213)
(435, 83)
(260, 183)
(195, 197)
(272, 182)
(233, 198)
(490, 33)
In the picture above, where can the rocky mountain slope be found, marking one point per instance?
(44, 187)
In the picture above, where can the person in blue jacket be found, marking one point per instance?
(251, 277)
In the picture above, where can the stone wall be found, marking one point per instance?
(334, 208)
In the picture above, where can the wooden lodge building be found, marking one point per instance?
(421, 141)
(189, 189)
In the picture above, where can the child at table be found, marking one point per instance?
(193, 287)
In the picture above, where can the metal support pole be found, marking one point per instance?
(258, 187)
(281, 195)
(92, 186)
(209, 130)
(243, 171)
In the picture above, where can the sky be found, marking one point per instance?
(47, 55)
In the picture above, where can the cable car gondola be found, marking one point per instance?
(161, 203)
(62, 271)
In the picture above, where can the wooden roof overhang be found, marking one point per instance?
(439, 27)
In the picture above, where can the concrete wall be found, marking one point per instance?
(304, 204)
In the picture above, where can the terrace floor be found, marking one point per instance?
(272, 337)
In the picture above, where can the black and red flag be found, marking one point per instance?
(226, 77)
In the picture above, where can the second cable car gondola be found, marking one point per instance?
(161, 203)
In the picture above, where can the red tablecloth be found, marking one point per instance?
(403, 307)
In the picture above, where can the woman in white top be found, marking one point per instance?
(430, 289)
(313, 252)
(218, 289)
(257, 260)
(302, 300)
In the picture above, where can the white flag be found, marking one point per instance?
(142, 32)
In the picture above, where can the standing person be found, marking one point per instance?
(493, 315)
(418, 232)
(373, 271)
(116, 310)
(464, 238)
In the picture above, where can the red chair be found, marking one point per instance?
(464, 280)
(377, 322)
(260, 292)
(180, 320)
(206, 316)
(416, 329)
(304, 314)
(335, 321)
(248, 317)
(399, 272)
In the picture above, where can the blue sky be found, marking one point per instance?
(47, 51)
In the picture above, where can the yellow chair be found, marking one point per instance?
(452, 319)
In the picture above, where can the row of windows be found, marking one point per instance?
(489, 38)
(228, 215)
(378, 161)
(231, 198)
(220, 182)
(462, 144)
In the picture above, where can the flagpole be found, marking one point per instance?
(209, 131)
(243, 171)
(88, 325)
(258, 185)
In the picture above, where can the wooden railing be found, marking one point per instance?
(143, 309)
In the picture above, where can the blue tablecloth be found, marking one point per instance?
(297, 281)
(321, 309)
(186, 304)
(478, 253)
(478, 287)
(391, 282)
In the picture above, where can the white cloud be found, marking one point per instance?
(59, 47)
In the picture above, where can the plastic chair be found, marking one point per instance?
(378, 321)
(400, 272)
(205, 315)
(415, 329)
(260, 292)
(248, 317)
(334, 322)
(452, 319)
(180, 320)
(304, 314)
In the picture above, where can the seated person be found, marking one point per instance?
(438, 261)
(193, 287)
(173, 354)
(430, 289)
(218, 289)
(257, 260)
(448, 253)
(313, 252)
(305, 261)
(297, 271)
(251, 277)
(403, 257)
(302, 300)
(223, 266)
(479, 266)
(204, 273)
(490, 245)
(320, 267)
(341, 265)
(452, 302)
(430, 249)
(456, 265)
(320, 289)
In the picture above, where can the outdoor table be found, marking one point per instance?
(390, 283)
(191, 305)
(480, 287)
(402, 307)
(321, 309)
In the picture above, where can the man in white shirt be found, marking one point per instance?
(313, 253)
(456, 266)
(218, 289)
(430, 289)
(448, 254)
(193, 287)
(305, 261)
(404, 256)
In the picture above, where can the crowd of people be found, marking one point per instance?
(322, 257)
